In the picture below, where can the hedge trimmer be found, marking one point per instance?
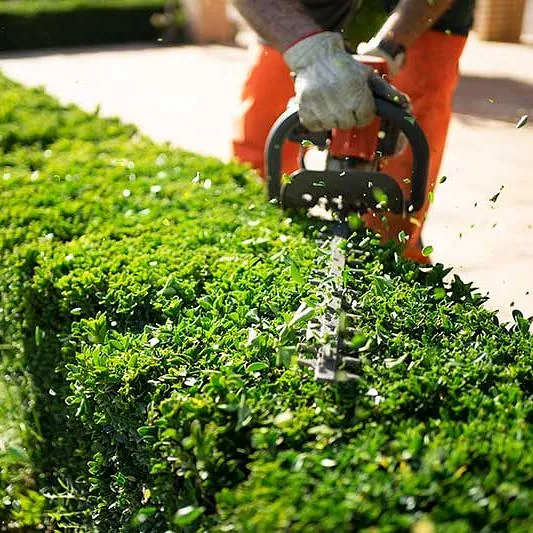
(352, 182)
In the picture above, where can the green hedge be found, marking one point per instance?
(54, 23)
(150, 305)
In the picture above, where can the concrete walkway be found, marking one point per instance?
(186, 95)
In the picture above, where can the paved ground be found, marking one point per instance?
(186, 95)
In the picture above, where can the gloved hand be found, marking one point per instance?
(331, 86)
(371, 48)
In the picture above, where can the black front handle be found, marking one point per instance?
(279, 133)
(387, 111)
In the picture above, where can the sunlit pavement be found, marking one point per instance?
(187, 95)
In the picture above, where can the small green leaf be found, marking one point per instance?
(427, 251)
(252, 335)
(283, 419)
(403, 237)
(144, 514)
(132, 362)
(392, 363)
(302, 314)
(439, 293)
(358, 340)
(355, 221)
(257, 366)
(285, 355)
(296, 274)
(187, 515)
(380, 196)
(147, 493)
(15, 452)
(383, 285)
(144, 431)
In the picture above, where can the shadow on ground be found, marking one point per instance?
(74, 50)
(493, 98)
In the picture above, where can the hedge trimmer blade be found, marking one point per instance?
(329, 362)
(355, 175)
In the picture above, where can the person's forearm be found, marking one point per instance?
(280, 22)
(411, 18)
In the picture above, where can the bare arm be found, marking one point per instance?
(280, 22)
(411, 18)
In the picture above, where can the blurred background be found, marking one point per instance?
(175, 69)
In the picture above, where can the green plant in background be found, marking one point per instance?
(39, 6)
(151, 304)
(365, 23)
(54, 23)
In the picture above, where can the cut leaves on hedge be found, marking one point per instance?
(151, 305)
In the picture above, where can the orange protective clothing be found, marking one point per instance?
(265, 95)
(429, 77)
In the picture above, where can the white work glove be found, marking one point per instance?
(371, 48)
(331, 87)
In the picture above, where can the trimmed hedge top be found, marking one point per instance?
(28, 7)
(151, 302)
(36, 24)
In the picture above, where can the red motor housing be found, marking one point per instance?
(361, 143)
